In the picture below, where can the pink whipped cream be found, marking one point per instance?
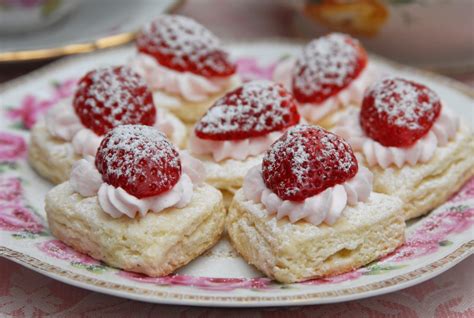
(352, 94)
(234, 149)
(191, 87)
(86, 180)
(443, 130)
(326, 206)
(64, 124)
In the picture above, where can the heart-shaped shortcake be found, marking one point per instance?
(308, 210)
(326, 66)
(138, 159)
(397, 112)
(305, 161)
(183, 45)
(252, 110)
(113, 96)
(134, 208)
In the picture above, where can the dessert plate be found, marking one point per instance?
(220, 277)
(94, 24)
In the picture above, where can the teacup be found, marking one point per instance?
(18, 16)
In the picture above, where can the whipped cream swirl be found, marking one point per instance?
(443, 130)
(234, 149)
(86, 180)
(62, 122)
(352, 94)
(191, 87)
(326, 206)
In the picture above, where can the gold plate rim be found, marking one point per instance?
(77, 48)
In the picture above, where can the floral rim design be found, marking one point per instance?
(51, 270)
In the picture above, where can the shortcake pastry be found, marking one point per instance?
(329, 75)
(235, 132)
(309, 211)
(416, 147)
(105, 98)
(184, 64)
(140, 206)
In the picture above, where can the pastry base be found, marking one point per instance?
(227, 197)
(227, 174)
(297, 252)
(329, 121)
(155, 245)
(191, 112)
(425, 186)
(51, 157)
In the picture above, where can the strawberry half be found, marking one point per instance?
(305, 161)
(397, 112)
(113, 96)
(138, 159)
(254, 109)
(182, 44)
(326, 66)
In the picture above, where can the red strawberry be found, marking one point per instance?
(139, 159)
(113, 96)
(326, 66)
(182, 44)
(254, 109)
(305, 161)
(397, 112)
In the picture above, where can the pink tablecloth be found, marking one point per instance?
(23, 293)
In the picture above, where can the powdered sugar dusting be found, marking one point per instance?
(184, 45)
(325, 66)
(307, 160)
(403, 103)
(113, 96)
(138, 157)
(254, 109)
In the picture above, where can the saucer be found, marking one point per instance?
(95, 24)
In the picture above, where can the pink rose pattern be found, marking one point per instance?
(428, 238)
(32, 107)
(467, 192)
(59, 250)
(12, 147)
(208, 283)
(15, 216)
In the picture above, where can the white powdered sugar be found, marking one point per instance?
(403, 102)
(333, 150)
(129, 151)
(257, 106)
(327, 61)
(116, 95)
(296, 151)
(183, 40)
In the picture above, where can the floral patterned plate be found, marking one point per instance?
(219, 277)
